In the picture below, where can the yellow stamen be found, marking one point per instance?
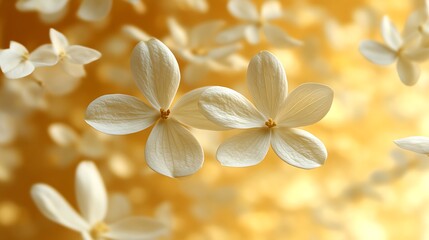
(164, 114)
(270, 123)
(98, 230)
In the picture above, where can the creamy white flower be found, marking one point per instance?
(93, 204)
(256, 22)
(42, 6)
(171, 149)
(397, 48)
(17, 62)
(417, 25)
(95, 10)
(271, 120)
(416, 144)
(198, 48)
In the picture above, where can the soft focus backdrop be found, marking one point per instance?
(368, 188)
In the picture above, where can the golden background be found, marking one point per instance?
(368, 188)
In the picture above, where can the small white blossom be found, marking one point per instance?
(93, 205)
(416, 144)
(255, 22)
(17, 62)
(397, 48)
(271, 120)
(171, 148)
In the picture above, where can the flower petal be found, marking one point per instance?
(279, 38)
(195, 72)
(172, 150)
(243, 9)
(54, 206)
(390, 34)
(82, 55)
(9, 59)
(418, 54)
(43, 56)
(44, 6)
(178, 33)
(94, 10)
(416, 144)
(252, 34)
(23, 69)
(306, 105)
(223, 52)
(266, 80)
(18, 48)
(409, 72)
(58, 40)
(136, 228)
(62, 134)
(245, 149)
(271, 10)
(55, 80)
(120, 114)
(90, 193)
(232, 34)
(377, 53)
(72, 69)
(229, 109)
(204, 33)
(186, 111)
(298, 148)
(156, 72)
(119, 207)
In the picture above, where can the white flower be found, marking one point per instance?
(416, 144)
(397, 48)
(95, 10)
(171, 149)
(93, 204)
(42, 6)
(417, 25)
(256, 22)
(271, 120)
(17, 62)
(198, 48)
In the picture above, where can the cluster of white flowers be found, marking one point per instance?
(407, 49)
(59, 65)
(173, 151)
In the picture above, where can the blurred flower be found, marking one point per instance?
(17, 62)
(49, 10)
(398, 48)
(255, 22)
(273, 118)
(171, 148)
(416, 144)
(198, 48)
(93, 204)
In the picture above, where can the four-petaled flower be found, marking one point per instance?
(92, 201)
(271, 120)
(171, 148)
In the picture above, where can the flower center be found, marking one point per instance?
(199, 51)
(98, 230)
(270, 123)
(25, 57)
(164, 113)
(62, 55)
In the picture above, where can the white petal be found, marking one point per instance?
(44, 6)
(266, 80)
(18, 48)
(9, 59)
(72, 69)
(298, 148)
(178, 33)
(271, 10)
(86, 236)
(186, 110)
(58, 40)
(63, 134)
(156, 72)
(55, 80)
(416, 144)
(377, 53)
(90, 193)
(229, 109)
(136, 228)
(279, 38)
(196, 72)
(306, 105)
(390, 34)
(172, 150)
(135, 33)
(23, 69)
(252, 34)
(82, 55)
(55, 207)
(243, 9)
(245, 149)
(119, 207)
(44, 56)
(418, 54)
(223, 52)
(203, 34)
(120, 114)
(94, 10)
(232, 34)
(409, 72)
(411, 27)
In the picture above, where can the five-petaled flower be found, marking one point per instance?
(171, 148)
(92, 201)
(271, 120)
